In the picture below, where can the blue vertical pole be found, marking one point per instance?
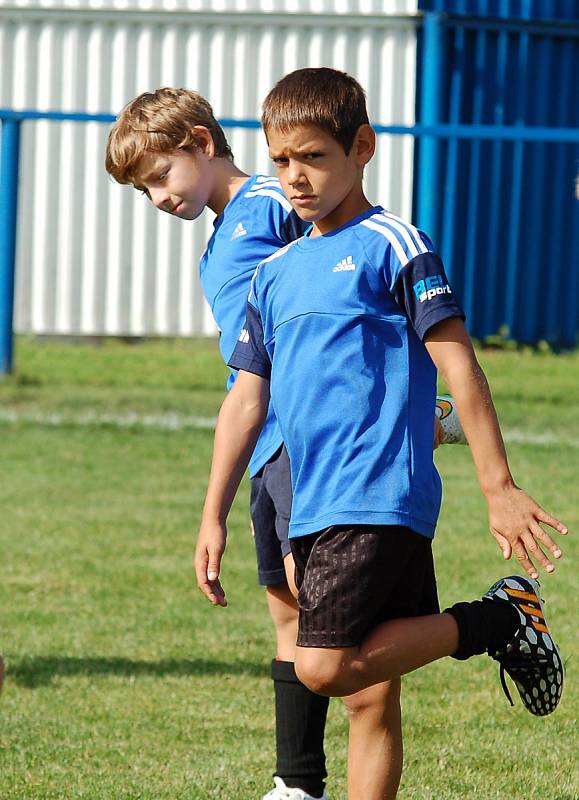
(9, 156)
(429, 194)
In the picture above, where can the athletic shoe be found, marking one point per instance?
(451, 428)
(283, 792)
(531, 658)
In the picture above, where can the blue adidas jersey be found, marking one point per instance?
(336, 324)
(253, 225)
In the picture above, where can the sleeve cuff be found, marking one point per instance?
(437, 315)
(250, 365)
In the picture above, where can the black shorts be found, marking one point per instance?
(350, 579)
(271, 504)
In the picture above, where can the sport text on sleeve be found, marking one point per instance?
(422, 289)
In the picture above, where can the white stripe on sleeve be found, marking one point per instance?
(389, 234)
(410, 229)
(281, 199)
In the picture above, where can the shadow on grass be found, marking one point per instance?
(41, 670)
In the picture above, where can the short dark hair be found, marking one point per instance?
(328, 98)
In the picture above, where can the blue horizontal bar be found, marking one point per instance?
(506, 133)
(77, 116)
(554, 28)
(59, 116)
(240, 123)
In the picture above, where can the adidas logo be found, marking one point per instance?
(345, 265)
(244, 336)
(238, 231)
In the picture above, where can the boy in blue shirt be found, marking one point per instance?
(169, 145)
(344, 331)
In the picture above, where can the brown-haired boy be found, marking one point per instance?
(344, 329)
(169, 145)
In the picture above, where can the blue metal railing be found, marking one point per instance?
(9, 170)
(503, 213)
(9, 166)
(430, 133)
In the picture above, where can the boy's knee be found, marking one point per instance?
(325, 672)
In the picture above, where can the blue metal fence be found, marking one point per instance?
(11, 124)
(504, 213)
(481, 282)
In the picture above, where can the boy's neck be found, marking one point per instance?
(228, 180)
(350, 208)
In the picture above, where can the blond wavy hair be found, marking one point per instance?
(158, 122)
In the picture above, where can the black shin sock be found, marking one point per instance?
(483, 625)
(300, 720)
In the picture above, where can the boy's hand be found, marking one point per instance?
(208, 554)
(515, 523)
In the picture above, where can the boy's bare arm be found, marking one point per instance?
(240, 421)
(514, 516)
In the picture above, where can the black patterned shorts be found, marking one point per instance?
(352, 578)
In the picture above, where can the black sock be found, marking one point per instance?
(300, 720)
(483, 626)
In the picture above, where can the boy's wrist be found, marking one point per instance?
(496, 483)
(213, 516)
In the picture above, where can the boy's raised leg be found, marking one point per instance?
(508, 623)
(400, 646)
(392, 649)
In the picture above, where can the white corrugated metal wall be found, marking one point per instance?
(96, 258)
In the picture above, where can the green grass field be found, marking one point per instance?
(122, 683)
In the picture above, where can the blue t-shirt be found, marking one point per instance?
(336, 324)
(253, 225)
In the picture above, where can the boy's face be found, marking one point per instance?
(323, 184)
(178, 181)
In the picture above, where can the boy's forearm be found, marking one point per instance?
(452, 352)
(516, 521)
(478, 417)
(238, 427)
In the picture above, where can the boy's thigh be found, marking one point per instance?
(352, 578)
(270, 513)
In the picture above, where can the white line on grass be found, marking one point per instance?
(163, 422)
(179, 422)
(540, 439)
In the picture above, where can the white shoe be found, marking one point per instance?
(283, 792)
(452, 432)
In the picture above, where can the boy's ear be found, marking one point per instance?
(204, 140)
(364, 144)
